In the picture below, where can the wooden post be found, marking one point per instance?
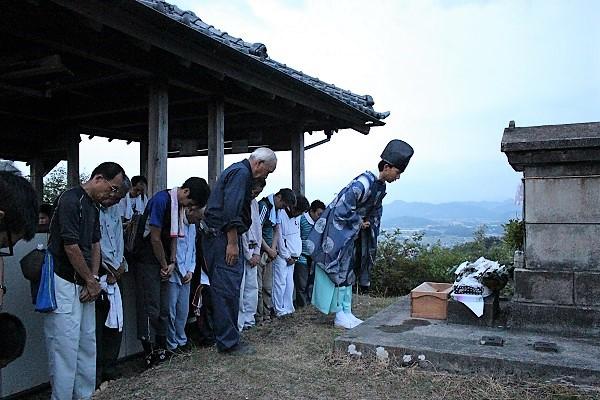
(144, 156)
(37, 177)
(216, 139)
(73, 161)
(158, 138)
(298, 161)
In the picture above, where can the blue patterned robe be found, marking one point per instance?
(331, 243)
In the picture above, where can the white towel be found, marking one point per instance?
(177, 214)
(114, 319)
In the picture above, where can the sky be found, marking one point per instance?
(452, 74)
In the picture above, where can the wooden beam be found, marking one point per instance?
(23, 90)
(111, 134)
(144, 156)
(216, 139)
(158, 137)
(37, 177)
(91, 82)
(297, 139)
(44, 66)
(73, 160)
(216, 57)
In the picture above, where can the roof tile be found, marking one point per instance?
(258, 51)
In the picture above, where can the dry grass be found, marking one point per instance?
(295, 360)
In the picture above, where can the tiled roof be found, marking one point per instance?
(258, 51)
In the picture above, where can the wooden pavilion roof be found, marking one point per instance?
(71, 66)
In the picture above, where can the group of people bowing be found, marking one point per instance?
(220, 256)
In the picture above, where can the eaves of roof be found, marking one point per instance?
(258, 51)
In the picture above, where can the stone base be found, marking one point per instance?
(540, 286)
(493, 314)
(577, 321)
(459, 348)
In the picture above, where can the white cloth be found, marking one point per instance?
(290, 241)
(177, 215)
(70, 333)
(309, 218)
(473, 301)
(114, 319)
(273, 213)
(204, 278)
(253, 236)
(128, 205)
(186, 252)
(283, 287)
(248, 296)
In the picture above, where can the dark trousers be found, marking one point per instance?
(301, 274)
(225, 282)
(108, 342)
(206, 334)
(311, 279)
(151, 303)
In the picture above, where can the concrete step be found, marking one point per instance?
(457, 348)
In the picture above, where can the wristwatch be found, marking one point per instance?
(3, 288)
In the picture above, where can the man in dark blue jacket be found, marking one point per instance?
(227, 216)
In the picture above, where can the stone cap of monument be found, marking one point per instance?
(551, 144)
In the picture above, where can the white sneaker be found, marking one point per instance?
(353, 320)
(341, 320)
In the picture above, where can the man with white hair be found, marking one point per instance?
(227, 217)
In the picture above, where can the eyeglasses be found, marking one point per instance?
(113, 188)
(4, 228)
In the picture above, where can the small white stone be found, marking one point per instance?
(382, 354)
(406, 358)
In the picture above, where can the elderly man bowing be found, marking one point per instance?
(227, 217)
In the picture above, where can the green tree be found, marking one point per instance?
(514, 234)
(56, 182)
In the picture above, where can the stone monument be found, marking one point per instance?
(558, 290)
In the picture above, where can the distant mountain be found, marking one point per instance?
(413, 214)
(449, 223)
(406, 222)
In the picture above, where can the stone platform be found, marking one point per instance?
(457, 348)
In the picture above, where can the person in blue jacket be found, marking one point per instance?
(227, 217)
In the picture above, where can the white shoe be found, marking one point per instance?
(341, 320)
(353, 320)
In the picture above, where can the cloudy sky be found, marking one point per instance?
(452, 73)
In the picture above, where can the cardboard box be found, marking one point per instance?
(430, 300)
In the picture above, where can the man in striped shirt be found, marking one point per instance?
(269, 214)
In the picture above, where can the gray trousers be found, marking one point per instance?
(248, 296)
(179, 306)
(265, 289)
(70, 333)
